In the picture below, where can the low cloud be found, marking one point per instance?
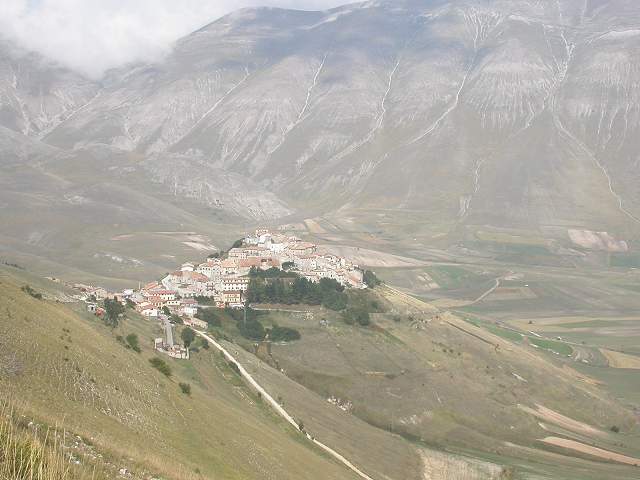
(92, 36)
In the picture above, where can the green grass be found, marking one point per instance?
(504, 333)
(551, 345)
(624, 260)
(451, 276)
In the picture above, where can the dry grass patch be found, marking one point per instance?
(621, 360)
(440, 466)
(590, 450)
(556, 418)
(34, 455)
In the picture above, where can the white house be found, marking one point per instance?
(235, 284)
(149, 311)
(187, 267)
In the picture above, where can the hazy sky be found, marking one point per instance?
(91, 36)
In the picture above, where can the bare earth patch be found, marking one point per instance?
(372, 258)
(314, 227)
(440, 466)
(552, 416)
(589, 450)
(597, 241)
(203, 247)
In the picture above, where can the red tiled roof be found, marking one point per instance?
(250, 262)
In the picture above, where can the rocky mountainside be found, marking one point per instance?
(36, 95)
(517, 113)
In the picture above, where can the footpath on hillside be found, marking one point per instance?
(279, 409)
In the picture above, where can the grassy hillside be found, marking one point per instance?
(64, 366)
(432, 397)
(437, 380)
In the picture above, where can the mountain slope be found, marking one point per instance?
(470, 111)
(36, 94)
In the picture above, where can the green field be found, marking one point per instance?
(551, 345)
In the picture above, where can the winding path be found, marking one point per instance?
(279, 409)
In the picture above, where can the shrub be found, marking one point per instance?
(30, 291)
(185, 388)
(283, 334)
(133, 342)
(251, 329)
(161, 366)
(234, 366)
(370, 279)
(615, 429)
(356, 315)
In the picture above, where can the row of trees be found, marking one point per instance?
(272, 272)
(327, 292)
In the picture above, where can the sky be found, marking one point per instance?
(91, 36)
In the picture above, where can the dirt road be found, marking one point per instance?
(279, 409)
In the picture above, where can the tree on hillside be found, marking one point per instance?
(251, 328)
(370, 279)
(283, 334)
(113, 309)
(209, 315)
(188, 336)
(356, 315)
(335, 301)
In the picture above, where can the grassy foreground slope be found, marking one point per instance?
(64, 367)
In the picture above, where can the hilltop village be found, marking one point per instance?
(222, 281)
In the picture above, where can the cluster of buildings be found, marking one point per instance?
(303, 257)
(225, 280)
